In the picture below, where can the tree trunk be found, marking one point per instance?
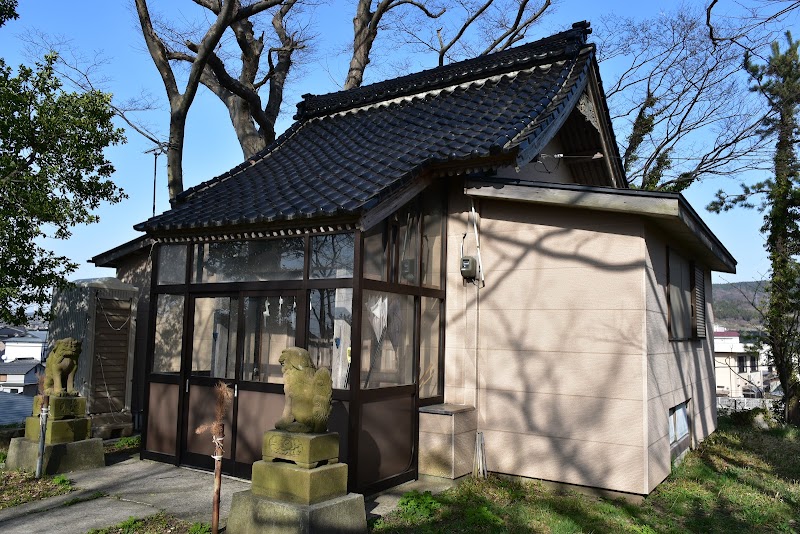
(250, 138)
(780, 318)
(177, 128)
(364, 33)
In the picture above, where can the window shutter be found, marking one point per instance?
(699, 302)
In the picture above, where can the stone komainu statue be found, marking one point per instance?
(62, 362)
(308, 393)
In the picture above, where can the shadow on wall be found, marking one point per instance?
(562, 342)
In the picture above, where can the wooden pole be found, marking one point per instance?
(218, 451)
(42, 430)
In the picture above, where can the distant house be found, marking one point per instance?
(25, 347)
(461, 249)
(20, 377)
(9, 332)
(740, 369)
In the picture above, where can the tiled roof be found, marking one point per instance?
(14, 408)
(18, 367)
(351, 148)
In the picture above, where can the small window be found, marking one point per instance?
(376, 252)
(753, 363)
(430, 330)
(742, 364)
(329, 323)
(332, 256)
(249, 261)
(432, 237)
(270, 325)
(678, 423)
(169, 334)
(214, 343)
(387, 340)
(172, 264)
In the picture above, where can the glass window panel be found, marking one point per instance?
(432, 219)
(375, 251)
(408, 242)
(387, 347)
(172, 264)
(671, 425)
(270, 327)
(169, 334)
(681, 421)
(330, 319)
(214, 338)
(332, 256)
(249, 261)
(429, 348)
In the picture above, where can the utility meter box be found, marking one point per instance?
(469, 267)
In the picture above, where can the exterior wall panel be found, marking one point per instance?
(677, 370)
(561, 341)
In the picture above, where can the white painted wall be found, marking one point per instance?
(20, 350)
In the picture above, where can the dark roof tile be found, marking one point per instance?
(348, 148)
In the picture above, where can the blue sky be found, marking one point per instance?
(111, 29)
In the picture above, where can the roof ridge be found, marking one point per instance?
(512, 59)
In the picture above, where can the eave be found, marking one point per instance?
(668, 211)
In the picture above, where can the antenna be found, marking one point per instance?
(160, 148)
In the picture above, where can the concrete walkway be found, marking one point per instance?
(139, 488)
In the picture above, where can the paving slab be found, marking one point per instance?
(136, 488)
(140, 488)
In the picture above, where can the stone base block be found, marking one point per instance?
(287, 482)
(447, 440)
(58, 458)
(59, 431)
(253, 514)
(108, 426)
(61, 407)
(305, 450)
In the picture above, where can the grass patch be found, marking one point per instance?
(739, 480)
(20, 487)
(126, 444)
(159, 523)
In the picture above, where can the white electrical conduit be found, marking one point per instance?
(477, 242)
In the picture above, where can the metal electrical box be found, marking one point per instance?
(469, 267)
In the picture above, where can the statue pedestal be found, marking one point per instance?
(67, 443)
(298, 487)
(58, 458)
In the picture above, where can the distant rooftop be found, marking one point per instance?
(726, 333)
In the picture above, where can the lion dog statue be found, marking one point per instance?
(308, 393)
(62, 362)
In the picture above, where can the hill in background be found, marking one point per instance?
(733, 304)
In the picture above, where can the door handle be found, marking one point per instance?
(187, 385)
(236, 390)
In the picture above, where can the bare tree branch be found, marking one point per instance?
(682, 104)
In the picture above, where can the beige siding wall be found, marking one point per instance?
(677, 371)
(559, 375)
